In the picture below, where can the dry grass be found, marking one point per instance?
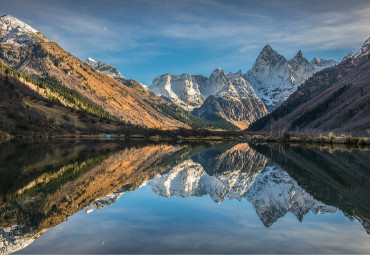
(322, 139)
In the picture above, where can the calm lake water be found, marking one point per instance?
(83, 196)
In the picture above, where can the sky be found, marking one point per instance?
(147, 38)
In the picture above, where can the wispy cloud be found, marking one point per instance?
(193, 34)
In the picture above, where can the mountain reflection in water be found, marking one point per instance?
(44, 183)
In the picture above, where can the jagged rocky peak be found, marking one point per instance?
(113, 72)
(269, 57)
(274, 78)
(17, 237)
(365, 47)
(217, 80)
(298, 61)
(16, 32)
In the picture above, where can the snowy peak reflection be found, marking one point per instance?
(274, 193)
(240, 173)
(230, 175)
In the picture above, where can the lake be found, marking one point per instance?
(136, 196)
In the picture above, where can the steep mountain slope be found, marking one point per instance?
(26, 108)
(229, 96)
(335, 99)
(274, 78)
(29, 52)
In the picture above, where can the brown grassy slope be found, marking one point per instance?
(44, 58)
(24, 111)
(335, 99)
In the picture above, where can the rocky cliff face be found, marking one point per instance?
(274, 78)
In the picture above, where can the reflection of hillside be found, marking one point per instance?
(41, 205)
(24, 162)
(337, 178)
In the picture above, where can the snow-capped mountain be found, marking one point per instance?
(237, 97)
(221, 96)
(102, 67)
(190, 91)
(235, 101)
(182, 90)
(274, 78)
(16, 32)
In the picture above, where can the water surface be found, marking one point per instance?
(70, 196)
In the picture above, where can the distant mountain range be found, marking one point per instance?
(238, 97)
(334, 99)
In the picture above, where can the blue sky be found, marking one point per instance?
(144, 39)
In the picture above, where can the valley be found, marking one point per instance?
(49, 92)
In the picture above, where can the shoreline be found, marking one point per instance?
(323, 140)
